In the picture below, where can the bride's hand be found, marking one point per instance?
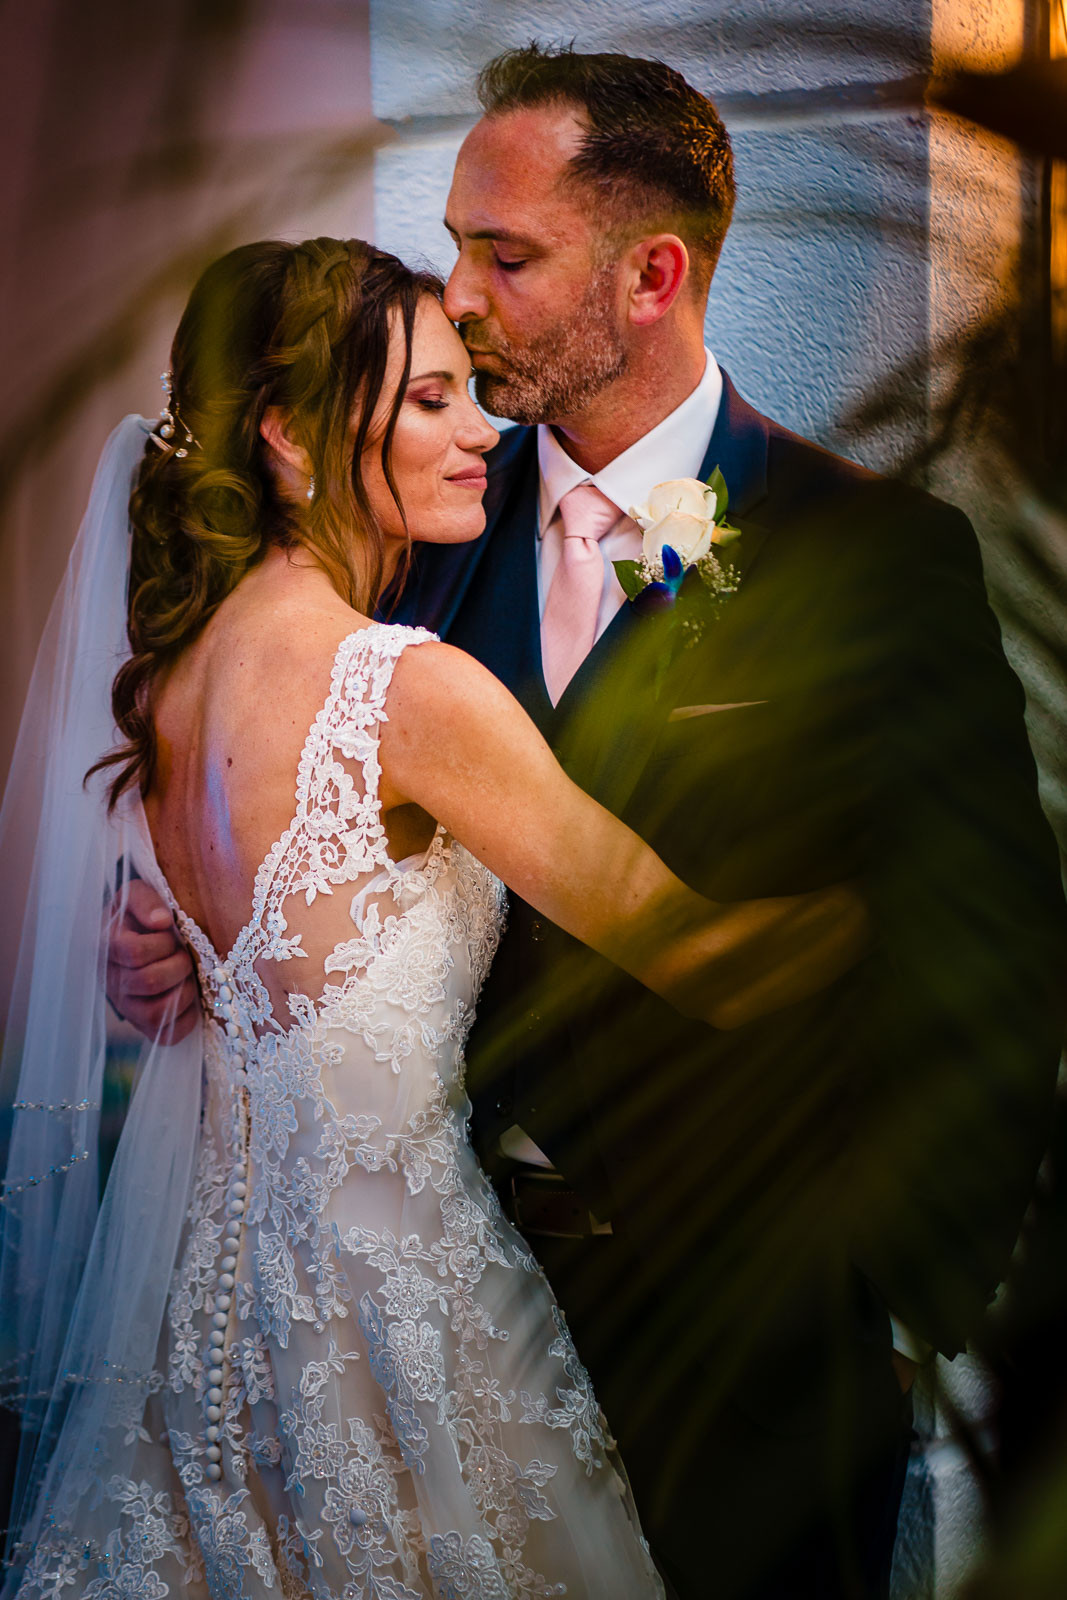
(150, 979)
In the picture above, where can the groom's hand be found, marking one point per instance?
(149, 971)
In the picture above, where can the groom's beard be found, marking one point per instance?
(557, 374)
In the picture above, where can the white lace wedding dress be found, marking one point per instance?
(365, 1388)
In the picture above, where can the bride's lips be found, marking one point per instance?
(469, 478)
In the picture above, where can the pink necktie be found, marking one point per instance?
(568, 627)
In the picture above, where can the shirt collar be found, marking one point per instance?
(674, 448)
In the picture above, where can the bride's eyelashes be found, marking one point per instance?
(428, 400)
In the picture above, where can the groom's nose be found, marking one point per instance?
(465, 292)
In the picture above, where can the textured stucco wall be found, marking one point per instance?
(423, 50)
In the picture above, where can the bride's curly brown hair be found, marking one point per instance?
(302, 327)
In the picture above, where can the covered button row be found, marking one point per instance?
(236, 1203)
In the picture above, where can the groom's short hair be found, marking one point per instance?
(656, 151)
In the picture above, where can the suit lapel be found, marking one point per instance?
(738, 447)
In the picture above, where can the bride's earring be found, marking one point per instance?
(311, 487)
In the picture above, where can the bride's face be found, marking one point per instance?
(438, 443)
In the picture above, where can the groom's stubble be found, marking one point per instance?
(559, 372)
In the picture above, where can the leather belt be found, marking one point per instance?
(543, 1205)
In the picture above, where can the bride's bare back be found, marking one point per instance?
(231, 719)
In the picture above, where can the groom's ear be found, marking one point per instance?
(657, 267)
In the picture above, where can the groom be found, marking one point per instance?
(737, 1225)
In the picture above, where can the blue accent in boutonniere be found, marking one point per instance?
(673, 571)
(654, 598)
(661, 595)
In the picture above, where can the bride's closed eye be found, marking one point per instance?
(429, 399)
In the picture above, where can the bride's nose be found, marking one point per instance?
(475, 432)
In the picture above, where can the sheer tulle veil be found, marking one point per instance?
(83, 1280)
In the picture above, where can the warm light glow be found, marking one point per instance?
(1058, 206)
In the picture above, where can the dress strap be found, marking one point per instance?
(347, 726)
(336, 833)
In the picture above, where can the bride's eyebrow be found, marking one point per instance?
(446, 377)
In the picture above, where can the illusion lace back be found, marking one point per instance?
(364, 1388)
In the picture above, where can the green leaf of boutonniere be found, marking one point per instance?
(629, 576)
(717, 483)
(725, 535)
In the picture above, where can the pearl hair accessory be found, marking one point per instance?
(311, 487)
(170, 421)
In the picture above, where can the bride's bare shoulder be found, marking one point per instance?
(438, 684)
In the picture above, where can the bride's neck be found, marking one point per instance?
(292, 574)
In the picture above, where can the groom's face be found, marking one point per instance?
(535, 291)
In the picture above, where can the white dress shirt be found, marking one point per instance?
(674, 448)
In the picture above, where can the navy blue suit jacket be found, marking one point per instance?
(850, 714)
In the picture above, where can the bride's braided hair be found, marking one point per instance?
(303, 327)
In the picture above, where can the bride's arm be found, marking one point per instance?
(459, 745)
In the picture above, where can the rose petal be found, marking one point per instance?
(703, 544)
(677, 494)
(687, 533)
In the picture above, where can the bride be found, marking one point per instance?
(300, 1349)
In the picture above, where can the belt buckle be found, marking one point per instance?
(544, 1206)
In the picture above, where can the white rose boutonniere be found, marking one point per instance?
(683, 529)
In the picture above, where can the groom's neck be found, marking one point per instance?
(661, 372)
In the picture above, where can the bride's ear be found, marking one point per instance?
(287, 451)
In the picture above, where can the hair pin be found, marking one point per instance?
(170, 421)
